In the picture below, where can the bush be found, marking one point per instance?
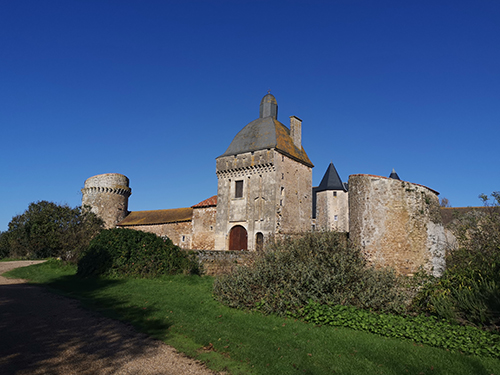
(47, 229)
(469, 290)
(315, 267)
(127, 252)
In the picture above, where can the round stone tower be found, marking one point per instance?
(107, 196)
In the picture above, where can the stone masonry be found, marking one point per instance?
(107, 195)
(396, 223)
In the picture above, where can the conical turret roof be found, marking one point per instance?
(331, 180)
(394, 175)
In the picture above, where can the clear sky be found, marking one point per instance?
(156, 90)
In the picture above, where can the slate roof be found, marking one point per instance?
(173, 215)
(394, 175)
(210, 202)
(331, 180)
(267, 133)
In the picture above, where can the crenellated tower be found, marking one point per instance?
(107, 196)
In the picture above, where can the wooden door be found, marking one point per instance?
(238, 238)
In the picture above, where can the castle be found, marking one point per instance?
(265, 189)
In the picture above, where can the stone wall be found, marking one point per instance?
(180, 233)
(396, 223)
(204, 228)
(255, 209)
(223, 262)
(107, 195)
(293, 195)
(276, 197)
(332, 210)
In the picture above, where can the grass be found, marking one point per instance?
(180, 311)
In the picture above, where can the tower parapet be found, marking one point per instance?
(107, 196)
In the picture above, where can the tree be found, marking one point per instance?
(444, 202)
(47, 229)
(469, 289)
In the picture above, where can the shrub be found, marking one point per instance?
(469, 290)
(47, 229)
(318, 267)
(127, 252)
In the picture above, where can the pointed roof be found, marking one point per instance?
(331, 180)
(210, 202)
(394, 175)
(267, 132)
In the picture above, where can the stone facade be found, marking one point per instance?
(203, 228)
(264, 182)
(107, 195)
(396, 223)
(275, 198)
(332, 210)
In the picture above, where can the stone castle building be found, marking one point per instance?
(265, 189)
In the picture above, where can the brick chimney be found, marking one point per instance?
(296, 131)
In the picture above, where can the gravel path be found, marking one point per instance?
(43, 333)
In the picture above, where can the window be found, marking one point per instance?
(334, 193)
(335, 218)
(238, 191)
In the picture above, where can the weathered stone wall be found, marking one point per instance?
(276, 196)
(204, 228)
(255, 209)
(223, 262)
(396, 223)
(180, 233)
(107, 195)
(293, 195)
(332, 210)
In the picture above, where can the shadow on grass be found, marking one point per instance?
(41, 331)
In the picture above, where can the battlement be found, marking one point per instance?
(126, 192)
(107, 195)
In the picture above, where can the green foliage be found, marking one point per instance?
(180, 311)
(469, 290)
(421, 329)
(127, 252)
(318, 266)
(47, 229)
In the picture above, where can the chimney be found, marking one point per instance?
(296, 131)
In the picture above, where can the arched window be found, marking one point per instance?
(259, 242)
(238, 238)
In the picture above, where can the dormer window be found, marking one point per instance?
(238, 189)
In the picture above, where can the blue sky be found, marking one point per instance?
(156, 90)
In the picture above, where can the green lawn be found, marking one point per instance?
(180, 311)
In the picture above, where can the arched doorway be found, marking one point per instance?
(238, 238)
(259, 242)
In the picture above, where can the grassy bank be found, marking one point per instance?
(180, 311)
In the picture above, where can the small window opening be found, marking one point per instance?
(334, 193)
(238, 191)
(335, 218)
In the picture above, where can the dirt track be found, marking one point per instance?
(42, 333)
